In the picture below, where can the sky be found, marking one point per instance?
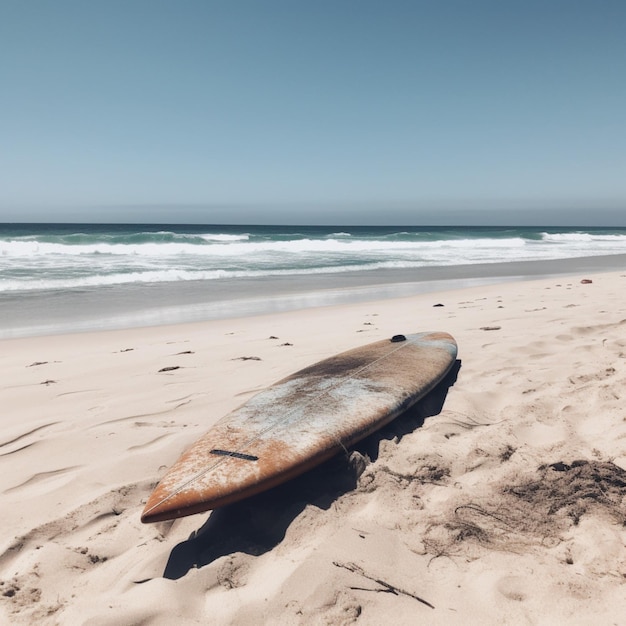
(342, 111)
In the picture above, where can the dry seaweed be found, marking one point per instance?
(534, 509)
(385, 587)
(573, 490)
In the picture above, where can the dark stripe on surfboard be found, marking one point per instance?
(236, 455)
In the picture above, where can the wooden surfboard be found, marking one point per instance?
(301, 421)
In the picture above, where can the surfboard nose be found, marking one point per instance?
(163, 505)
(158, 508)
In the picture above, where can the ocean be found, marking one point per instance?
(38, 257)
(107, 275)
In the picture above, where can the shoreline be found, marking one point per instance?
(24, 314)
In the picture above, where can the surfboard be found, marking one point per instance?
(301, 421)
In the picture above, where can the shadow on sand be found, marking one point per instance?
(259, 523)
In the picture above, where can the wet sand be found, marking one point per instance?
(123, 306)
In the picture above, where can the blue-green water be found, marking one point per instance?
(35, 257)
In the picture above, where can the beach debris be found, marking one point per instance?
(95, 559)
(247, 358)
(507, 453)
(575, 489)
(586, 281)
(272, 337)
(10, 591)
(559, 466)
(127, 350)
(48, 382)
(490, 327)
(385, 586)
(534, 508)
(438, 304)
(170, 368)
(286, 344)
(37, 363)
(358, 462)
(432, 473)
(185, 352)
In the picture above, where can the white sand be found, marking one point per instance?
(456, 512)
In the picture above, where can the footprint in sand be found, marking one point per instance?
(514, 588)
(539, 435)
(90, 524)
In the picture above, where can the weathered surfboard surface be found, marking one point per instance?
(300, 422)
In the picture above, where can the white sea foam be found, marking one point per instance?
(581, 237)
(171, 275)
(73, 260)
(238, 247)
(225, 238)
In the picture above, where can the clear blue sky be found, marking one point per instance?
(326, 111)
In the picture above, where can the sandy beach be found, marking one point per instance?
(499, 499)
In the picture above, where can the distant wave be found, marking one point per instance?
(241, 247)
(581, 237)
(225, 237)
